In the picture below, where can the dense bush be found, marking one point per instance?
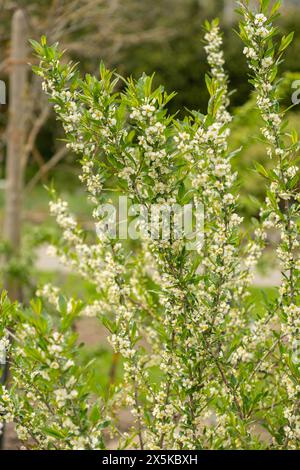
(202, 367)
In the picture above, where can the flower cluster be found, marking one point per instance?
(282, 210)
(48, 396)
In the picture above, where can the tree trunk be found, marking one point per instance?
(15, 144)
(15, 155)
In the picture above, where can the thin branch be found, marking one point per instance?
(54, 160)
(265, 357)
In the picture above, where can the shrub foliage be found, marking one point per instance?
(203, 367)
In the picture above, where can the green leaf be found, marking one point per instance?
(285, 42)
(95, 413)
(55, 432)
(264, 5)
(209, 84)
(294, 136)
(43, 41)
(111, 327)
(275, 8)
(261, 170)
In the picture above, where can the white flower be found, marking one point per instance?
(61, 396)
(260, 19)
(267, 62)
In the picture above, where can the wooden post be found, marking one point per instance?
(15, 151)
(15, 143)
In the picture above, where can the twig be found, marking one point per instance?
(59, 155)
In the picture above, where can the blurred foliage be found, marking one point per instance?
(180, 61)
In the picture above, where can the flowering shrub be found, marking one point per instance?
(203, 368)
(48, 400)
